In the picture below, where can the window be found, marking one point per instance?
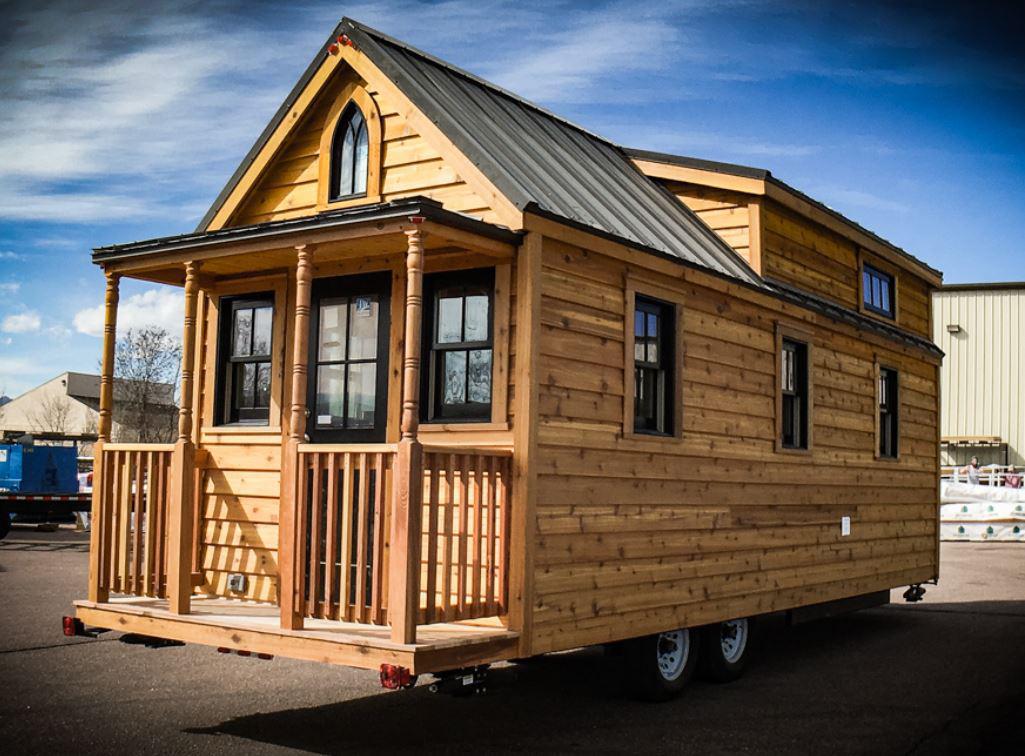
(889, 413)
(653, 366)
(348, 359)
(350, 148)
(877, 291)
(460, 340)
(794, 394)
(245, 371)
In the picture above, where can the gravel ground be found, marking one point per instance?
(943, 676)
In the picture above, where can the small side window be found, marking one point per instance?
(889, 413)
(245, 363)
(794, 394)
(654, 340)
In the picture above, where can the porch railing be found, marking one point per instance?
(343, 520)
(133, 518)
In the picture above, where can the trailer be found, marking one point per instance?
(39, 483)
(463, 382)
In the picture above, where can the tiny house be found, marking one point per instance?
(464, 382)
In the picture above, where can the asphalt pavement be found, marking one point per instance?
(946, 675)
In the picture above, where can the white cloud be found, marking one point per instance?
(8, 255)
(164, 308)
(10, 287)
(23, 322)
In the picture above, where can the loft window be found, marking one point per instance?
(794, 390)
(460, 340)
(350, 149)
(877, 291)
(653, 366)
(889, 409)
(245, 369)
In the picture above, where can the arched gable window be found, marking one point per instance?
(350, 148)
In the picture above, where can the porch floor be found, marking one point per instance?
(249, 626)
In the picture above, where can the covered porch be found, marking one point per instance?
(399, 545)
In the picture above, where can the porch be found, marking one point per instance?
(385, 548)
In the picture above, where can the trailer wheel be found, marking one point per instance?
(5, 523)
(659, 666)
(725, 649)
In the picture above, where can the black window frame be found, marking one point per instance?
(794, 407)
(662, 421)
(869, 275)
(888, 389)
(225, 410)
(338, 155)
(348, 287)
(462, 283)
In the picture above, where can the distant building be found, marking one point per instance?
(4, 400)
(980, 328)
(69, 405)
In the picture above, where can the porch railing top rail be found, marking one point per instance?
(135, 447)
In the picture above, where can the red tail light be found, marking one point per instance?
(72, 626)
(394, 677)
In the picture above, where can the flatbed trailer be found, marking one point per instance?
(47, 507)
(510, 393)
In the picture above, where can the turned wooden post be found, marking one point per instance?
(404, 570)
(290, 519)
(180, 504)
(100, 521)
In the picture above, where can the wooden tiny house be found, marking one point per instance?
(464, 382)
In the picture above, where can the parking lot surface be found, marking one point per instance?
(943, 676)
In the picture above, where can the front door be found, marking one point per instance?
(348, 381)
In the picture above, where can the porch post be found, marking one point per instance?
(290, 567)
(404, 570)
(179, 513)
(99, 522)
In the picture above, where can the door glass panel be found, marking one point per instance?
(455, 377)
(478, 387)
(362, 394)
(363, 313)
(330, 396)
(450, 320)
(261, 330)
(332, 332)
(241, 332)
(476, 318)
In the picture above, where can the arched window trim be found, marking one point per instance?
(350, 152)
(351, 95)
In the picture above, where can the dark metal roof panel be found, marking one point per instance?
(534, 157)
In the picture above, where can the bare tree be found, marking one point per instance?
(52, 415)
(147, 363)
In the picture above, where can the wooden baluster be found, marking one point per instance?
(404, 582)
(477, 532)
(503, 532)
(99, 589)
(291, 526)
(377, 596)
(464, 528)
(490, 574)
(124, 530)
(316, 507)
(431, 463)
(138, 513)
(160, 537)
(362, 530)
(179, 512)
(105, 486)
(448, 534)
(331, 540)
(345, 576)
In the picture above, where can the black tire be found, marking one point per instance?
(5, 523)
(726, 648)
(651, 671)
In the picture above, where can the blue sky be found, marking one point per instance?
(122, 120)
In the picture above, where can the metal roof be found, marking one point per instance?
(763, 174)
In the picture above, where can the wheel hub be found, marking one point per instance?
(734, 639)
(672, 652)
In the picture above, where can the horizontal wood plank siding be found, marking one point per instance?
(727, 213)
(638, 535)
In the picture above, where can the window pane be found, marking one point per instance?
(876, 299)
(653, 335)
(262, 330)
(332, 333)
(866, 287)
(330, 396)
(263, 384)
(644, 398)
(241, 331)
(454, 391)
(362, 395)
(450, 320)
(885, 295)
(478, 387)
(345, 164)
(359, 182)
(476, 318)
(245, 382)
(363, 312)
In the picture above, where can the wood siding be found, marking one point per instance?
(727, 213)
(637, 535)
(410, 167)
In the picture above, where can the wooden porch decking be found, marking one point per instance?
(255, 627)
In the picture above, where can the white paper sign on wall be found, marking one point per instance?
(845, 526)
